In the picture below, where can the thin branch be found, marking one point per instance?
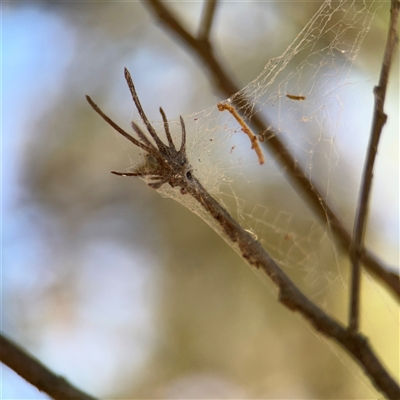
(207, 19)
(37, 374)
(379, 120)
(291, 167)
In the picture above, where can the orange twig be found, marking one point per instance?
(253, 138)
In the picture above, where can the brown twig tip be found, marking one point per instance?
(89, 100)
(222, 106)
(127, 75)
(253, 138)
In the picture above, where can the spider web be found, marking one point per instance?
(317, 72)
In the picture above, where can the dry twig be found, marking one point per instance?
(253, 138)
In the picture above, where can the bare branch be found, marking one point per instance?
(37, 374)
(379, 120)
(291, 167)
(174, 169)
(207, 19)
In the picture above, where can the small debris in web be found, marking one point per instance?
(295, 97)
(253, 138)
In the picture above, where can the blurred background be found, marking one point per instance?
(130, 295)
